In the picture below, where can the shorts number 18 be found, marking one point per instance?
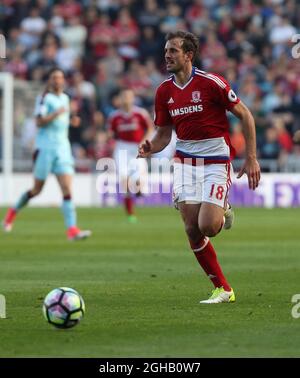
(218, 191)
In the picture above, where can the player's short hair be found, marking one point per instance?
(54, 69)
(190, 41)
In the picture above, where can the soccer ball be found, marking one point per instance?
(63, 307)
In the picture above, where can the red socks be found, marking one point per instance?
(207, 258)
(10, 216)
(128, 203)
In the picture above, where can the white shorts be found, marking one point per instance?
(205, 183)
(127, 164)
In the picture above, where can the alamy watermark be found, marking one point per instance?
(296, 308)
(126, 174)
(2, 307)
(2, 47)
(296, 49)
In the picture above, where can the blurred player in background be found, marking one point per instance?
(129, 126)
(52, 153)
(296, 137)
(195, 102)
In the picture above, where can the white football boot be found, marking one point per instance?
(219, 295)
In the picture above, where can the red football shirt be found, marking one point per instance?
(129, 127)
(198, 112)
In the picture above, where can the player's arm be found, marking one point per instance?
(251, 165)
(163, 123)
(43, 120)
(160, 140)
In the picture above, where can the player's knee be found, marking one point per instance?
(210, 229)
(35, 191)
(66, 192)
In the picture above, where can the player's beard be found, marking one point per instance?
(173, 70)
(57, 88)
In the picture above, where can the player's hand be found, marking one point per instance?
(60, 111)
(145, 149)
(252, 170)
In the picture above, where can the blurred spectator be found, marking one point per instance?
(137, 79)
(150, 45)
(105, 86)
(242, 13)
(32, 28)
(127, 34)
(66, 57)
(238, 44)
(150, 15)
(271, 147)
(197, 17)
(104, 45)
(153, 74)
(113, 63)
(56, 22)
(44, 7)
(238, 140)
(102, 146)
(284, 138)
(281, 34)
(16, 65)
(20, 11)
(273, 98)
(70, 9)
(173, 20)
(213, 54)
(47, 60)
(74, 35)
(103, 36)
(81, 88)
(225, 29)
(13, 42)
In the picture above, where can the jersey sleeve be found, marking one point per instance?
(161, 113)
(224, 94)
(42, 106)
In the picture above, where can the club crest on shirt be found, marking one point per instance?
(196, 97)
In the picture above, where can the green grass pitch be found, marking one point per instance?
(142, 285)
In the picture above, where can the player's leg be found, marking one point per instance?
(202, 247)
(21, 202)
(135, 183)
(211, 221)
(128, 200)
(69, 210)
(125, 156)
(198, 233)
(201, 220)
(41, 169)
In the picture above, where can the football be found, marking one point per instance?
(63, 307)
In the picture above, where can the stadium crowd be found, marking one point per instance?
(104, 45)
